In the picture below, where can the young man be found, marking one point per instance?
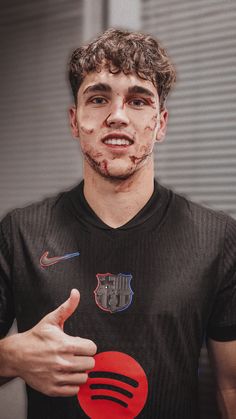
(156, 273)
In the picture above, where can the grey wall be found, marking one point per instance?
(36, 38)
(199, 156)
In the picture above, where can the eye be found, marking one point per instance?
(138, 103)
(98, 100)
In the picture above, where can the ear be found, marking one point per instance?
(73, 122)
(163, 126)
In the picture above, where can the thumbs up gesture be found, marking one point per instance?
(48, 359)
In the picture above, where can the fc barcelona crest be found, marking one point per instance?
(113, 292)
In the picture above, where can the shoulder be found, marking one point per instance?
(200, 214)
(38, 209)
(199, 224)
(38, 215)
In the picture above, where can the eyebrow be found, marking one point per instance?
(104, 87)
(98, 87)
(141, 90)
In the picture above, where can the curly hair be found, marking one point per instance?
(129, 52)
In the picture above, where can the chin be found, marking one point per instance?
(113, 172)
(115, 175)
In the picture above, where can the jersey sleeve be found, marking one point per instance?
(222, 323)
(7, 312)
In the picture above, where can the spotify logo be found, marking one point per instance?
(116, 388)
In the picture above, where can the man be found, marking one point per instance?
(156, 273)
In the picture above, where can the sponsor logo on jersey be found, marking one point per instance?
(46, 261)
(117, 387)
(113, 292)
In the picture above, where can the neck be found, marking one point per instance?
(117, 201)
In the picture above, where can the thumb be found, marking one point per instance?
(65, 310)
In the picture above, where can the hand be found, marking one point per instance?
(49, 360)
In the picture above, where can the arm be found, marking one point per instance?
(46, 358)
(223, 360)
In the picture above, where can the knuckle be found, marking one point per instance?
(72, 347)
(65, 346)
(60, 381)
(60, 365)
(57, 366)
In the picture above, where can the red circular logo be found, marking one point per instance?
(117, 387)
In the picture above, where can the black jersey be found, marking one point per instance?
(151, 290)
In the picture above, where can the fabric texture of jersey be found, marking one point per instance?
(176, 261)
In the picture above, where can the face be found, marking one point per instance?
(117, 121)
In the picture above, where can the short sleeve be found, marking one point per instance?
(222, 323)
(7, 312)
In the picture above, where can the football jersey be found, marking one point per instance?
(151, 291)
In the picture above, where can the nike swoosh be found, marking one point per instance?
(45, 261)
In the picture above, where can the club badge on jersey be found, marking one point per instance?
(113, 292)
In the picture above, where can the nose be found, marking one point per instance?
(117, 116)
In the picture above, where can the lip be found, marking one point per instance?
(118, 135)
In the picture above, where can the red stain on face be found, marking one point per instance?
(153, 124)
(97, 155)
(89, 151)
(117, 122)
(144, 152)
(104, 166)
(136, 160)
(87, 130)
(92, 160)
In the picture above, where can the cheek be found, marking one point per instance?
(152, 124)
(89, 150)
(144, 151)
(146, 148)
(87, 125)
(86, 130)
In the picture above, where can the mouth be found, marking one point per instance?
(117, 140)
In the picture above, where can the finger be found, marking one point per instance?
(65, 310)
(73, 379)
(77, 364)
(64, 391)
(80, 346)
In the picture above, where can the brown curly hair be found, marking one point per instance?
(130, 52)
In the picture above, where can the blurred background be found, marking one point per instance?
(38, 157)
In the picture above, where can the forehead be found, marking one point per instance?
(119, 82)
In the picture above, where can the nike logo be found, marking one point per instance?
(45, 261)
